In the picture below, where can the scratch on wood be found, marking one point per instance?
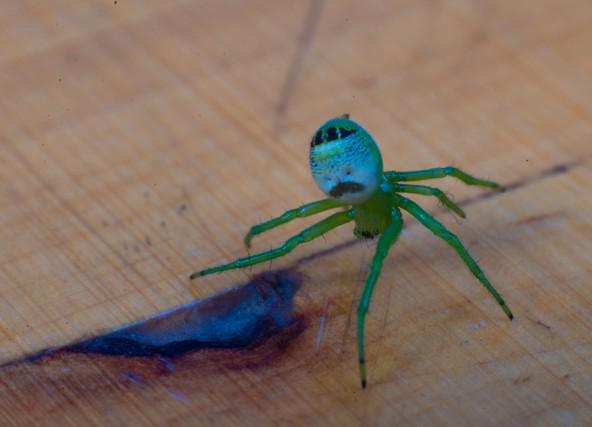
(547, 173)
(305, 41)
(538, 218)
(325, 252)
(540, 323)
(322, 324)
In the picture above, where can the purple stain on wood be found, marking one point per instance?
(167, 363)
(177, 395)
(131, 377)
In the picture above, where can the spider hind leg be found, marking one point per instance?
(452, 239)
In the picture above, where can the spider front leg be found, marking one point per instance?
(430, 191)
(387, 238)
(306, 235)
(303, 211)
(441, 173)
(439, 230)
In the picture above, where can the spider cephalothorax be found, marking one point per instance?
(346, 164)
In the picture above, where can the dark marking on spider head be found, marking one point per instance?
(346, 187)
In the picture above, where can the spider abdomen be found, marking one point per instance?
(345, 161)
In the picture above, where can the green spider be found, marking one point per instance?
(347, 166)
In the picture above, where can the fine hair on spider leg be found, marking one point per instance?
(346, 165)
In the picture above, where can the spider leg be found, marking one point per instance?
(439, 230)
(306, 235)
(387, 238)
(302, 211)
(441, 173)
(430, 191)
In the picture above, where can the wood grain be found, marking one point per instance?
(140, 140)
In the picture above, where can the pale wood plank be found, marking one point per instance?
(141, 140)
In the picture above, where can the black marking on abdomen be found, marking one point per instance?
(346, 187)
(332, 133)
(317, 139)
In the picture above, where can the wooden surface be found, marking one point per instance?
(141, 139)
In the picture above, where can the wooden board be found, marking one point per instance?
(140, 140)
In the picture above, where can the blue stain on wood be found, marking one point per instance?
(240, 317)
(234, 318)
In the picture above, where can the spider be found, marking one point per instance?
(346, 164)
